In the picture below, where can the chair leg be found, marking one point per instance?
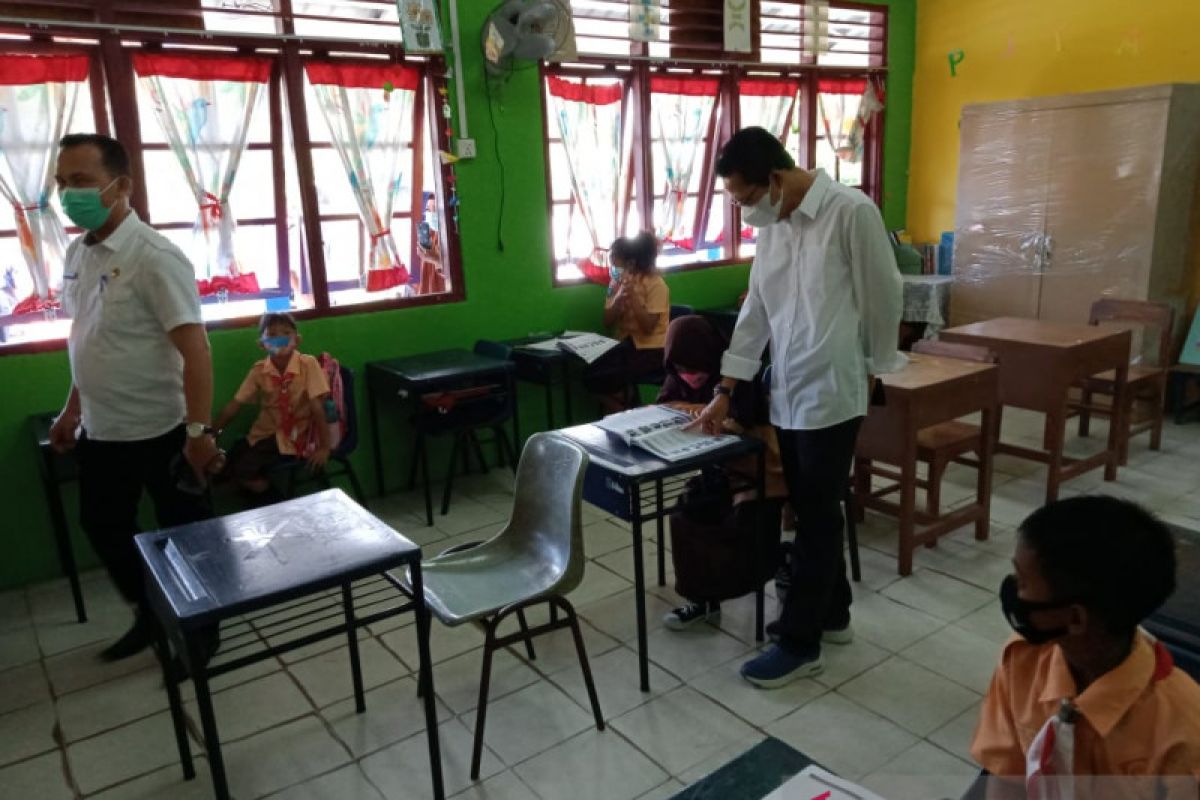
(583, 660)
(481, 710)
(1085, 416)
(525, 630)
(1159, 400)
(418, 448)
(354, 484)
(449, 487)
(483, 467)
(425, 482)
(852, 533)
(504, 448)
(933, 486)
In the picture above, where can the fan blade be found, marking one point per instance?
(534, 46)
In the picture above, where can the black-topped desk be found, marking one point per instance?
(540, 366)
(616, 478)
(201, 574)
(404, 379)
(56, 469)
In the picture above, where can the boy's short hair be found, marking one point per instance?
(754, 153)
(276, 318)
(1109, 555)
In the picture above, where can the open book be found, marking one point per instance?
(815, 783)
(659, 429)
(588, 346)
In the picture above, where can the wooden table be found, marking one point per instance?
(1039, 362)
(930, 390)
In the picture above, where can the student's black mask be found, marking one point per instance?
(1017, 612)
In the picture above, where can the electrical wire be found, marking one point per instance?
(487, 84)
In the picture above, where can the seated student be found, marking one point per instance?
(1083, 690)
(290, 389)
(637, 309)
(692, 362)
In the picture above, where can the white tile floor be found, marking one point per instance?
(894, 710)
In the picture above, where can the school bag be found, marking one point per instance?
(721, 551)
(335, 409)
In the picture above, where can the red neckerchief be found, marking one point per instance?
(283, 400)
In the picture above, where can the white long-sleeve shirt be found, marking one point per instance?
(826, 294)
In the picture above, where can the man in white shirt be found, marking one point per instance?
(826, 295)
(141, 370)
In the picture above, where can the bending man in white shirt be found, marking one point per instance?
(826, 295)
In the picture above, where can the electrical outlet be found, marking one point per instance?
(466, 148)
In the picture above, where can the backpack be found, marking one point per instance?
(335, 409)
(721, 551)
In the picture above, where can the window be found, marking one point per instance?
(249, 150)
(656, 128)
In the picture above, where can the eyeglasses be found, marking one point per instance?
(746, 201)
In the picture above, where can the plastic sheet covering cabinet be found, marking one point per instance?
(1064, 200)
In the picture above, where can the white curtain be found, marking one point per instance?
(681, 111)
(767, 105)
(37, 101)
(590, 124)
(206, 121)
(370, 129)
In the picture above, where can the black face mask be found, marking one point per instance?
(1017, 612)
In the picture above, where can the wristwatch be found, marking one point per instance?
(197, 429)
(722, 389)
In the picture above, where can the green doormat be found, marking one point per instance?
(751, 776)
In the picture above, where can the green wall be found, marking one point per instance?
(508, 293)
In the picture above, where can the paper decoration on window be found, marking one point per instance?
(737, 26)
(815, 28)
(419, 22)
(645, 20)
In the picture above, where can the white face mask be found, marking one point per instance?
(764, 212)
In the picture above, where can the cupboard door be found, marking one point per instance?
(1001, 215)
(1105, 170)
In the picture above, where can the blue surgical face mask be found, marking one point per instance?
(276, 344)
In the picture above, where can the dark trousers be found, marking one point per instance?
(112, 476)
(816, 466)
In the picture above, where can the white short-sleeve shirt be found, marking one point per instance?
(125, 294)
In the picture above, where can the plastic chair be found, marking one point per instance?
(680, 310)
(1147, 382)
(537, 558)
(296, 469)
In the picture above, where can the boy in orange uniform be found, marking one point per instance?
(290, 389)
(1083, 690)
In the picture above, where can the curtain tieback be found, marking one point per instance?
(210, 211)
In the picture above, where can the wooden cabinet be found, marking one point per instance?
(1064, 200)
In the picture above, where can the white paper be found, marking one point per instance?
(659, 430)
(815, 783)
(737, 26)
(588, 346)
(547, 344)
(419, 23)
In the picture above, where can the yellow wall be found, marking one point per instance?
(1028, 48)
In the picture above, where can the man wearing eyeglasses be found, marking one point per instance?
(826, 295)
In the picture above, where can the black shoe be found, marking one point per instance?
(135, 640)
